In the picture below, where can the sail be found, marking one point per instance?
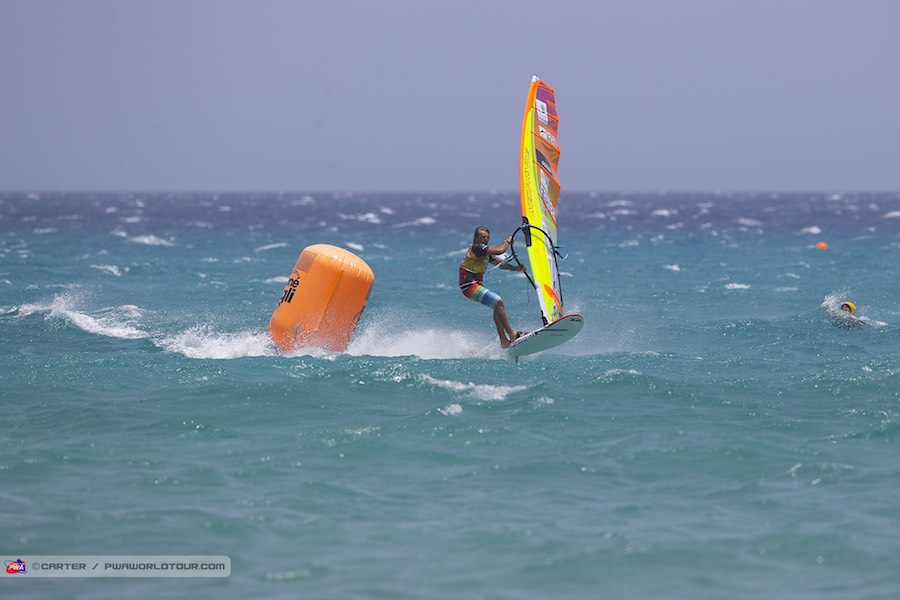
(539, 188)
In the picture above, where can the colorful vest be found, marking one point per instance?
(474, 265)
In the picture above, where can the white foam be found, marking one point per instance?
(477, 391)
(355, 246)
(675, 268)
(201, 342)
(737, 286)
(115, 322)
(100, 327)
(894, 214)
(746, 222)
(369, 217)
(832, 302)
(418, 222)
(451, 410)
(614, 372)
(383, 339)
(113, 269)
(362, 431)
(271, 247)
(27, 309)
(812, 229)
(150, 240)
(611, 375)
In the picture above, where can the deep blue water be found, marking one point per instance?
(711, 433)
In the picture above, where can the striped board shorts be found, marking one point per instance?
(474, 290)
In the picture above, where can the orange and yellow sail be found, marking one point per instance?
(539, 188)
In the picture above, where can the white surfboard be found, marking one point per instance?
(558, 332)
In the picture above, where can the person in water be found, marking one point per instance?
(847, 317)
(471, 277)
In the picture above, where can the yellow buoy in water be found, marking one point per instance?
(322, 301)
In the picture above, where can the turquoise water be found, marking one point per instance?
(710, 434)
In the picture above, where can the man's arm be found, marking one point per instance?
(496, 260)
(495, 250)
(509, 267)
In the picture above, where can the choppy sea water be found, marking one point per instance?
(713, 432)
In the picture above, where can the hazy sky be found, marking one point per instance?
(428, 95)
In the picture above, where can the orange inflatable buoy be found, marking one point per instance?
(322, 301)
(822, 245)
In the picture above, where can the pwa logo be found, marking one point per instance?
(14, 567)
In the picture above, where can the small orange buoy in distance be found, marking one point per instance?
(322, 301)
(822, 246)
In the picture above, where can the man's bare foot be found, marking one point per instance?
(504, 341)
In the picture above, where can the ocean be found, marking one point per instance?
(713, 432)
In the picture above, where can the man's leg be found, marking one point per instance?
(504, 341)
(502, 322)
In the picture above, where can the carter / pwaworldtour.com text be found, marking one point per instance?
(115, 566)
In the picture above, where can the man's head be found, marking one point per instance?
(849, 307)
(482, 235)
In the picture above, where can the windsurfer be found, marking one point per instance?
(471, 277)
